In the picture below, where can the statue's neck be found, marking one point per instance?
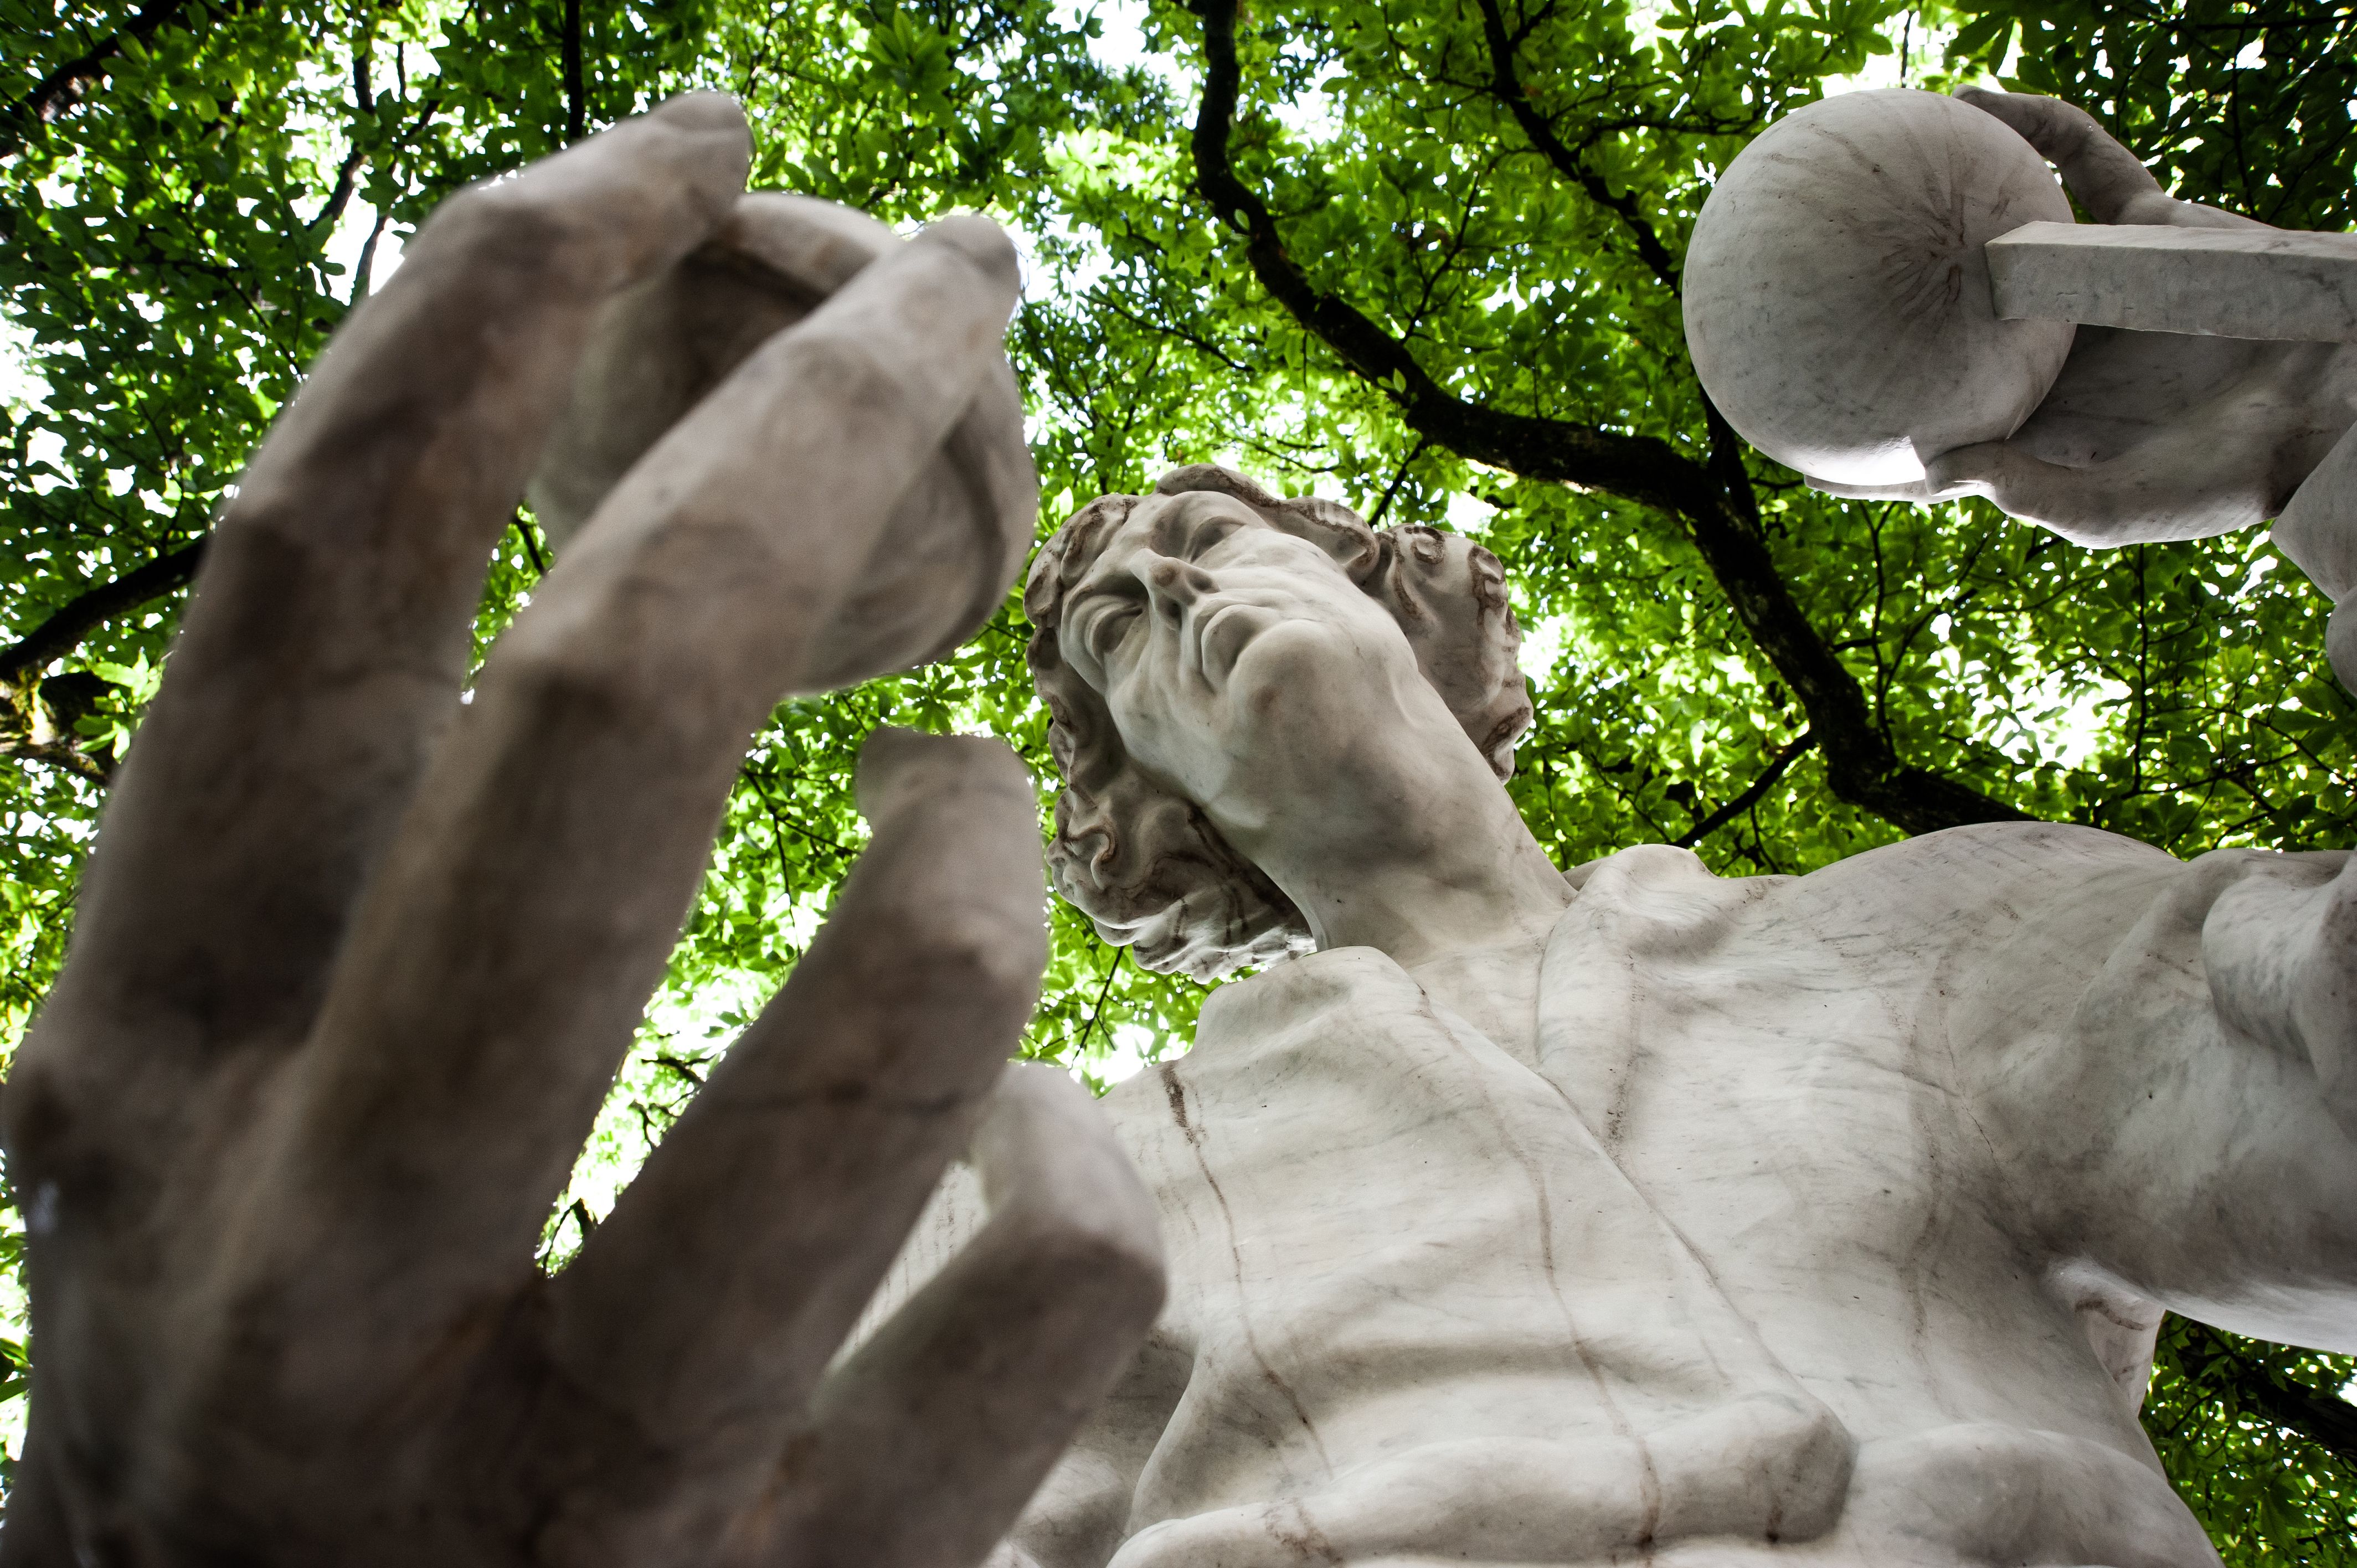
(1394, 835)
(1469, 919)
(1480, 882)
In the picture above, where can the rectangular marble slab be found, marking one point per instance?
(2219, 282)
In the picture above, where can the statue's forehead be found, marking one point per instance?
(1160, 522)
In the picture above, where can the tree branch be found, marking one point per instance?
(331, 211)
(58, 753)
(1375, 517)
(1080, 1050)
(1714, 500)
(1791, 752)
(2209, 1358)
(60, 89)
(525, 532)
(576, 110)
(339, 196)
(363, 267)
(93, 608)
(1508, 89)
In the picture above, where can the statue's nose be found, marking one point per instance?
(1174, 584)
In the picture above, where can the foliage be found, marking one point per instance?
(2241, 105)
(196, 190)
(2219, 1408)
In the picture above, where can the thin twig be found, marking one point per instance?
(1382, 506)
(1742, 804)
(1082, 1047)
(93, 608)
(525, 532)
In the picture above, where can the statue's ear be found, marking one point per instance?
(1067, 554)
(1448, 595)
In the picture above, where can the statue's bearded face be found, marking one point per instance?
(1226, 648)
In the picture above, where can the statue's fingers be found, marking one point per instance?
(896, 590)
(497, 967)
(38, 1532)
(655, 349)
(710, 1300)
(658, 349)
(923, 1446)
(329, 632)
(2105, 176)
(2166, 489)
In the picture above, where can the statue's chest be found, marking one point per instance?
(1720, 1175)
(1786, 1093)
(1364, 1141)
(1737, 1204)
(1384, 1231)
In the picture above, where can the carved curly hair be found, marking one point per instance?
(1145, 864)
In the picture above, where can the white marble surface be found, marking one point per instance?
(2319, 531)
(370, 931)
(2160, 277)
(657, 351)
(1644, 1215)
(1836, 292)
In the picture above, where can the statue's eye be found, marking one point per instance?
(1108, 626)
(1209, 537)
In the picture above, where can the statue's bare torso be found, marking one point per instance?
(1824, 1221)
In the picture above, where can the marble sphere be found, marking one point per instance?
(1837, 300)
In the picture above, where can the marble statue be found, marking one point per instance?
(358, 956)
(1510, 1216)
(1632, 1213)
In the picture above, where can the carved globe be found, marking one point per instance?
(1837, 299)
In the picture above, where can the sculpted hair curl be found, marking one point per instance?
(1143, 864)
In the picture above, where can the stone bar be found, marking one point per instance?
(2218, 282)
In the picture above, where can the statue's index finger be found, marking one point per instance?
(635, 195)
(326, 641)
(2105, 176)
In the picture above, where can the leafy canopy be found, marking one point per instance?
(1423, 259)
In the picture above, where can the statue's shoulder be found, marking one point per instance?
(2034, 860)
(1996, 848)
(1300, 988)
(1250, 1028)
(1930, 876)
(1979, 842)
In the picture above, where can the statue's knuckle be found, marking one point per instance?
(986, 953)
(512, 226)
(1093, 1242)
(843, 372)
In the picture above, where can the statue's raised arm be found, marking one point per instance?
(1887, 292)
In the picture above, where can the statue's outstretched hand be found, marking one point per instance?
(357, 957)
(2149, 435)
